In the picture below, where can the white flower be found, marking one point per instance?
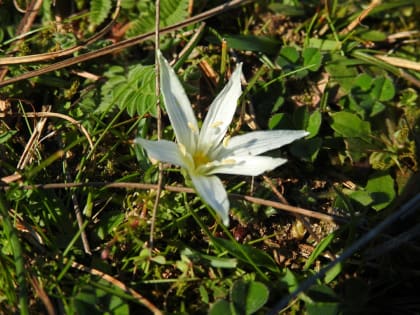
(204, 153)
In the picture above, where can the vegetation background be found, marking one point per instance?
(334, 231)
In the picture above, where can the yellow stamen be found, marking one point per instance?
(182, 149)
(216, 124)
(192, 127)
(200, 159)
(228, 161)
(226, 141)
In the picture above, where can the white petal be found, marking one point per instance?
(221, 112)
(257, 142)
(178, 106)
(211, 190)
(162, 150)
(247, 165)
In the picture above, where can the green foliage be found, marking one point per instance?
(132, 90)
(247, 254)
(302, 70)
(100, 300)
(99, 11)
(349, 125)
(246, 297)
(171, 12)
(298, 63)
(381, 189)
(253, 43)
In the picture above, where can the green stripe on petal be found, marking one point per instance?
(211, 190)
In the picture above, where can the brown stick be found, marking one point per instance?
(361, 17)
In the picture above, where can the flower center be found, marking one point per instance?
(200, 159)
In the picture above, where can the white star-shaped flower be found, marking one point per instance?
(206, 152)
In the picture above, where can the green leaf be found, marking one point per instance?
(343, 71)
(383, 89)
(171, 12)
(364, 81)
(291, 281)
(323, 308)
(248, 296)
(381, 189)
(314, 123)
(99, 10)
(7, 135)
(246, 252)
(260, 44)
(217, 262)
(333, 273)
(319, 249)
(360, 196)
(301, 117)
(287, 56)
(91, 300)
(108, 223)
(280, 121)
(306, 149)
(289, 10)
(324, 44)
(133, 90)
(382, 160)
(408, 97)
(220, 307)
(350, 125)
(312, 58)
(373, 35)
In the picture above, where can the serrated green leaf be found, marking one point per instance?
(99, 10)
(171, 12)
(133, 91)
